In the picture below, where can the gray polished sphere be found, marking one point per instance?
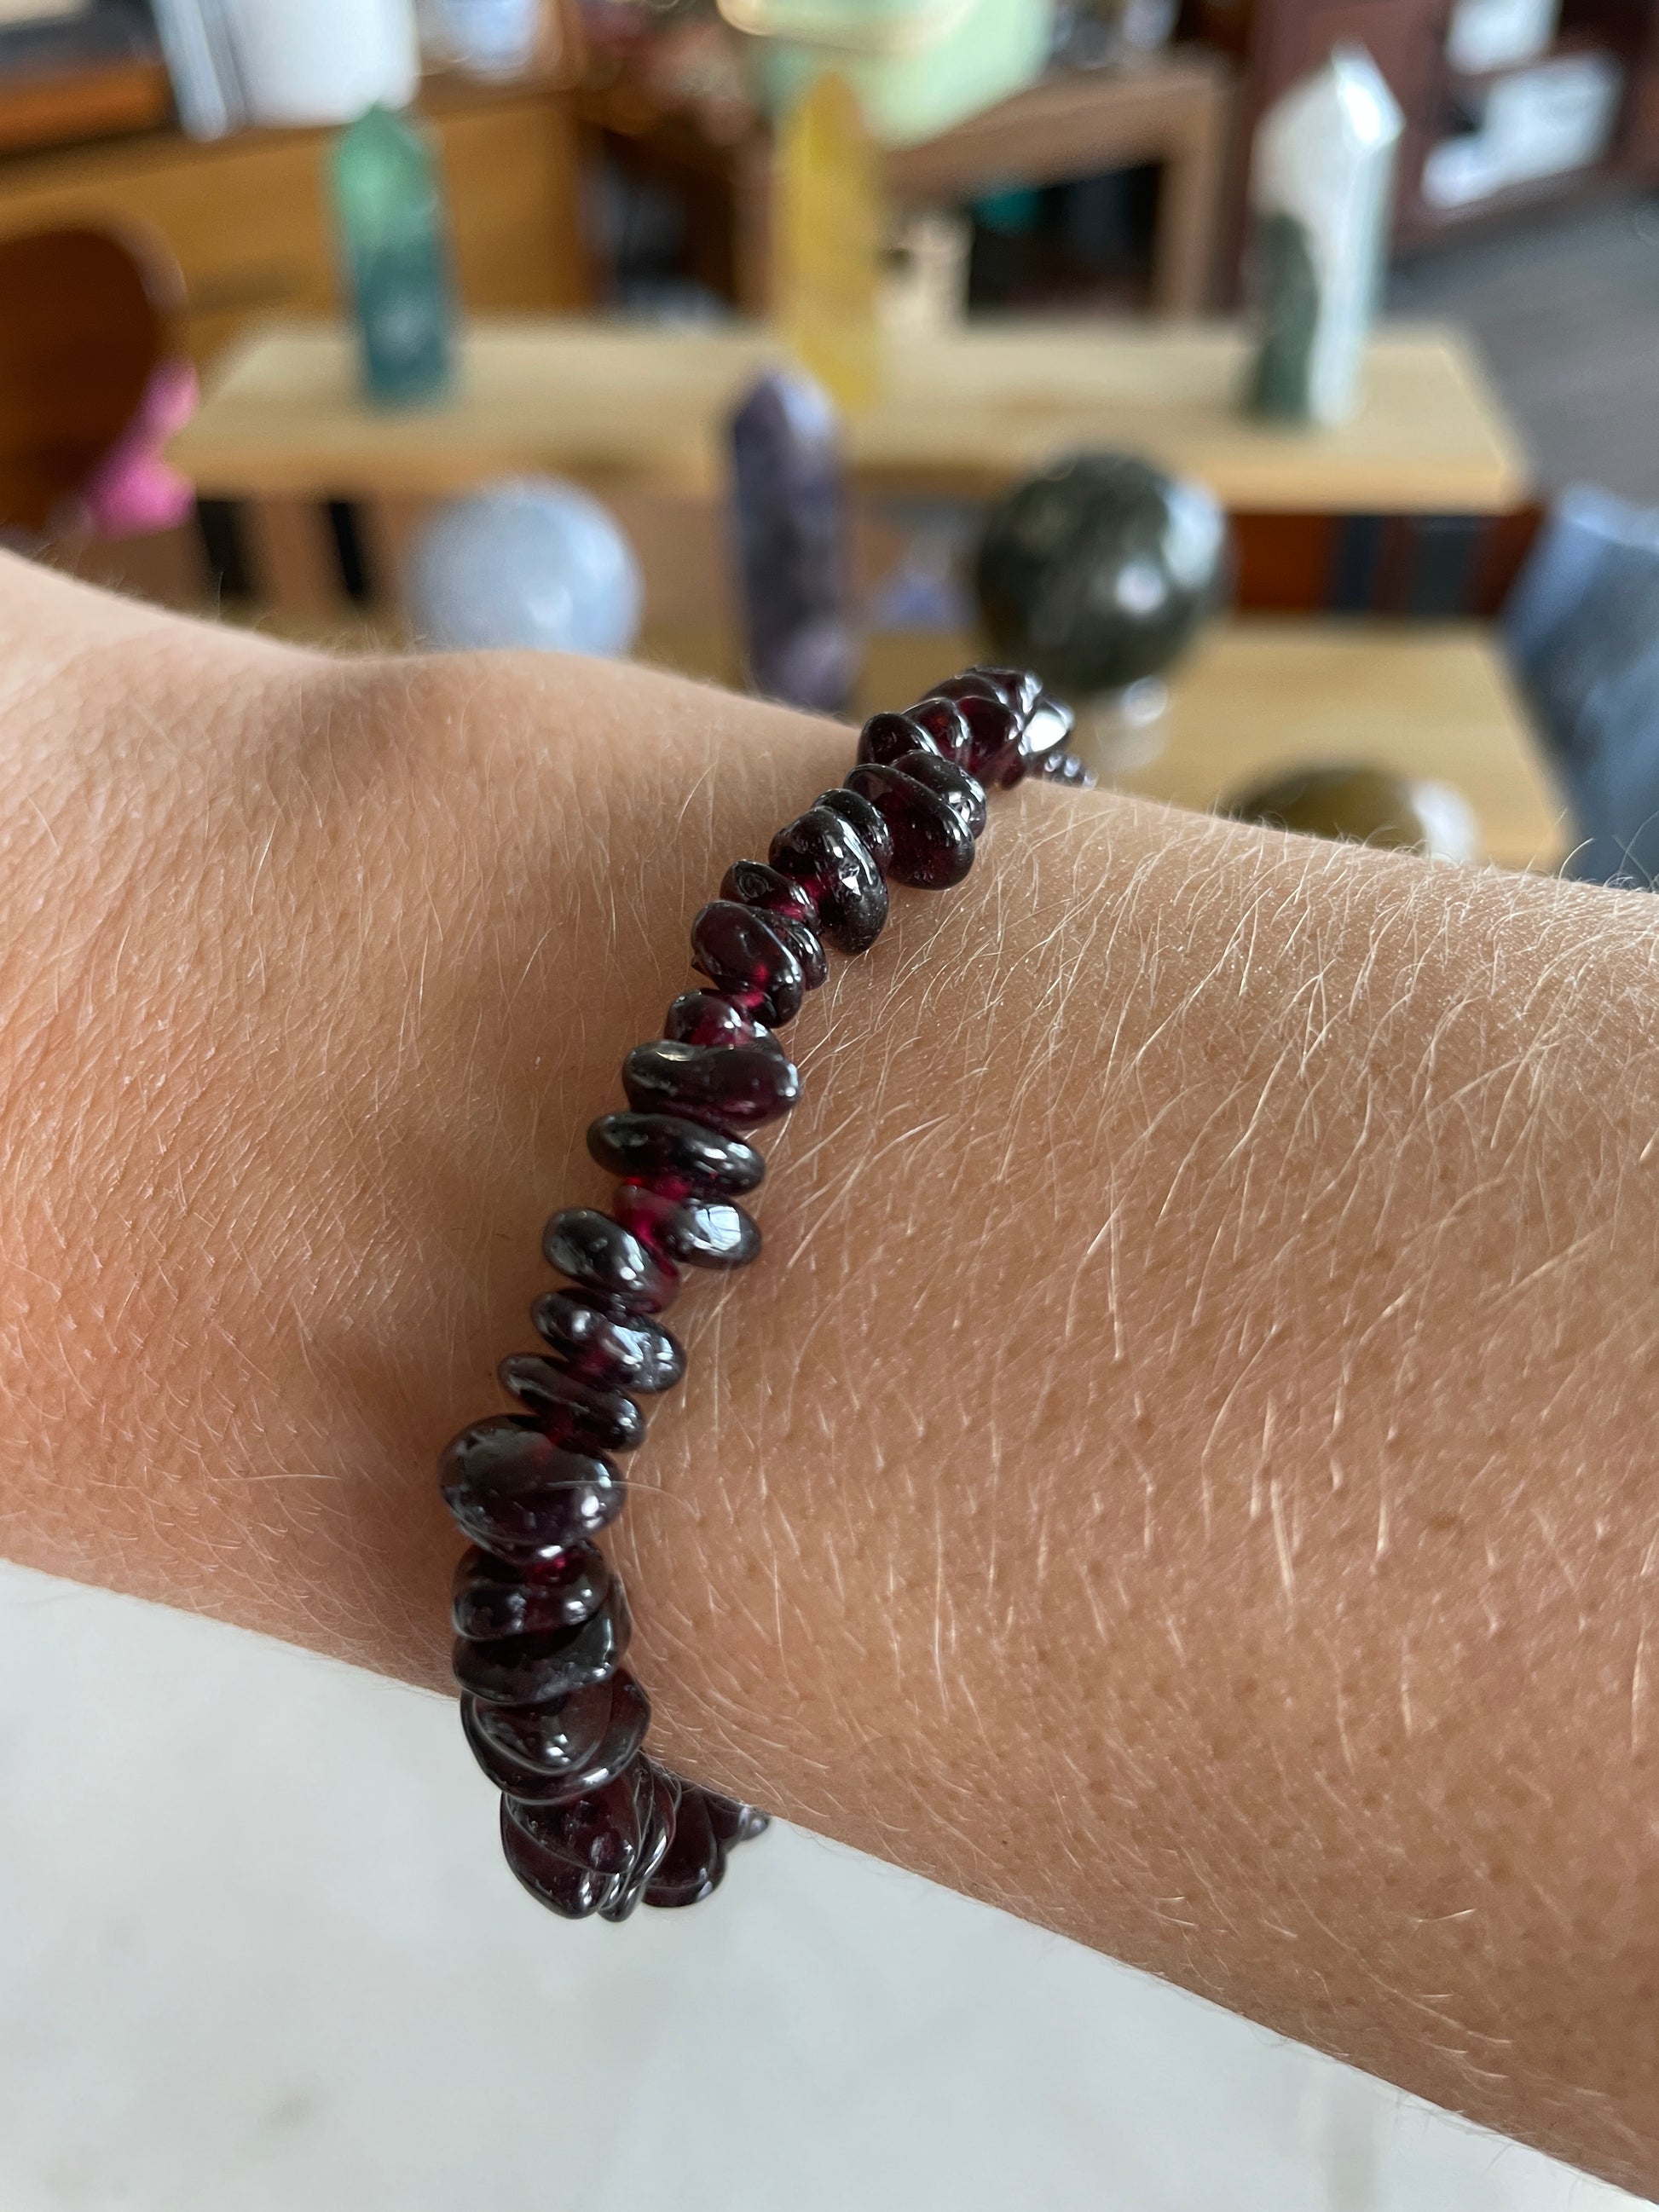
(1099, 571)
(532, 562)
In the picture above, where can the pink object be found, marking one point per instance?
(133, 492)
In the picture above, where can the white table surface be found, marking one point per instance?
(258, 1954)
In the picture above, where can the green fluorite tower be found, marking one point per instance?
(389, 205)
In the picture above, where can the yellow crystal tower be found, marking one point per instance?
(827, 242)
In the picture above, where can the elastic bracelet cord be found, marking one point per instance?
(589, 1822)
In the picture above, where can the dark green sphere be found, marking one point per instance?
(1099, 571)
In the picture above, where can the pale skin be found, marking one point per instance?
(1182, 1467)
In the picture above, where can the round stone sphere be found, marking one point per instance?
(530, 562)
(1099, 571)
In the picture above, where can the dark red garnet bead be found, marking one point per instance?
(994, 733)
(603, 1831)
(942, 720)
(515, 1493)
(633, 1355)
(732, 1822)
(1061, 767)
(863, 819)
(885, 737)
(806, 945)
(502, 1597)
(528, 1670)
(694, 1232)
(982, 683)
(572, 1411)
(1015, 687)
(963, 794)
(656, 1829)
(694, 1861)
(790, 910)
(821, 850)
(932, 850)
(571, 1891)
(745, 957)
(710, 1017)
(565, 1748)
(751, 883)
(734, 1087)
(598, 1853)
(601, 1255)
(682, 1160)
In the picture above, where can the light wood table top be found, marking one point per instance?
(963, 413)
(1262, 694)
(1431, 700)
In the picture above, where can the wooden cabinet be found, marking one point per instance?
(246, 217)
(1277, 41)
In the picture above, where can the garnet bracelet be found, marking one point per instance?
(589, 1823)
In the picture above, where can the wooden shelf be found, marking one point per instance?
(1277, 42)
(246, 217)
(1420, 224)
(1566, 47)
(105, 100)
(965, 416)
(47, 109)
(1174, 110)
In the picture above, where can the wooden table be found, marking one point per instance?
(1428, 699)
(618, 406)
(1431, 699)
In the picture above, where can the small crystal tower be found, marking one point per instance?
(389, 207)
(789, 520)
(828, 229)
(1321, 187)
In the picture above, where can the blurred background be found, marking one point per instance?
(1278, 379)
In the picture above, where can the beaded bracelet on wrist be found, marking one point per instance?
(590, 1823)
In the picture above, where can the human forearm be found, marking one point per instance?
(1192, 1477)
(1178, 1467)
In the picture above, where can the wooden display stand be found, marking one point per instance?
(968, 413)
(625, 408)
